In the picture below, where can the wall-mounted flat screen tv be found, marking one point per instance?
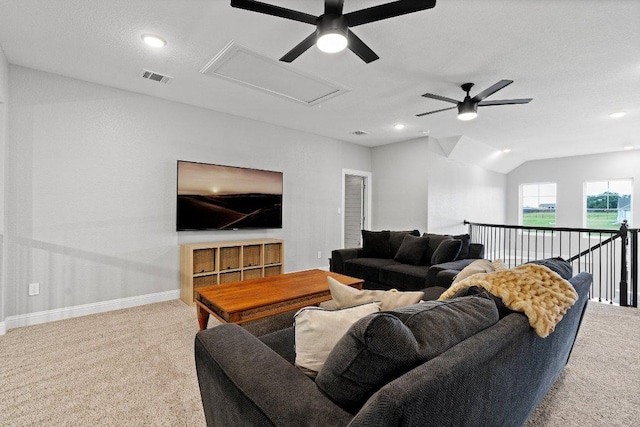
(216, 197)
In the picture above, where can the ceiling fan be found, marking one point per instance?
(332, 27)
(468, 108)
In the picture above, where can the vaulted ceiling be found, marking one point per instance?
(578, 59)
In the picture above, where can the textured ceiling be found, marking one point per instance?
(578, 59)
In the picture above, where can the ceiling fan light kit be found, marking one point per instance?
(332, 33)
(467, 110)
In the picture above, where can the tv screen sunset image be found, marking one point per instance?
(226, 197)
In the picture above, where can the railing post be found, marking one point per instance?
(623, 264)
(634, 268)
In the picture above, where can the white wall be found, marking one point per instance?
(4, 100)
(417, 186)
(570, 173)
(91, 188)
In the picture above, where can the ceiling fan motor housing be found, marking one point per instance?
(467, 106)
(330, 23)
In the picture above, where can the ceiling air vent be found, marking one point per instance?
(359, 132)
(152, 75)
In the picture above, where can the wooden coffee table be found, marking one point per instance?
(245, 301)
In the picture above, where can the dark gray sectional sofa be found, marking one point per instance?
(493, 374)
(383, 264)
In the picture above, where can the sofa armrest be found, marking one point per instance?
(244, 382)
(339, 256)
(476, 251)
(434, 271)
(445, 278)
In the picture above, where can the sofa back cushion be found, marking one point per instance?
(434, 242)
(396, 238)
(382, 346)
(447, 251)
(412, 249)
(466, 242)
(557, 264)
(376, 244)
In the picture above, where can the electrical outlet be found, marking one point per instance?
(34, 289)
(319, 254)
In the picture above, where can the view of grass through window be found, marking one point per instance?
(538, 204)
(608, 203)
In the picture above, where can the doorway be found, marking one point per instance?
(356, 206)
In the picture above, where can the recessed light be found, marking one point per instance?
(398, 126)
(506, 150)
(426, 132)
(154, 41)
(617, 114)
(628, 147)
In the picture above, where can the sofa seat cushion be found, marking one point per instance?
(404, 277)
(367, 268)
(382, 346)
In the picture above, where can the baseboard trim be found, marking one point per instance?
(21, 320)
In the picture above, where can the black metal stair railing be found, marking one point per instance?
(611, 256)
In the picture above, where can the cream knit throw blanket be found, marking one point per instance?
(535, 290)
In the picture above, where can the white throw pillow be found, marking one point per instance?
(346, 296)
(479, 266)
(318, 330)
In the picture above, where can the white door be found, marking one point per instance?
(356, 206)
(354, 187)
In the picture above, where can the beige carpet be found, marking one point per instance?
(135, 367)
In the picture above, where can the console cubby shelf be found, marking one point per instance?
(205, 264)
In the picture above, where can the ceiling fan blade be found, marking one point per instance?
(300, 48)
(491, 90)
(333, 7)
(505, 102)
(358, 47)
(269, 9)
(440, 98)
(436, 111)
(388, 10)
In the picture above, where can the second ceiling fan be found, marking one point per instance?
(468, 108)
(332, 27)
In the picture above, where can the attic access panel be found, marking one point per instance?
(246, 67)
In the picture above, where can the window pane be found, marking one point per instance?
(608, 203)
(530, 190)
(548, 190)
(538, 204)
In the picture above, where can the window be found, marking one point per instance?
(607, 203)
(538, 203)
